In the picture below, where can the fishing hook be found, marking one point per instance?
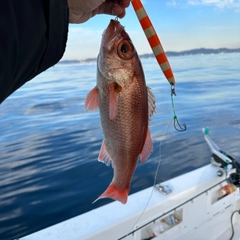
(177, 125)
(180, 129)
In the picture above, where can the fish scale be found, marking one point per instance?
(124, 125)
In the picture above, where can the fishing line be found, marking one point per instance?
(155, 178)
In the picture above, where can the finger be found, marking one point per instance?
(125, 3)
(117, 10)
(122, 14)
(111, 8)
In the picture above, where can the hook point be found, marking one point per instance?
(178, 127)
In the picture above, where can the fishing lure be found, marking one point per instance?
(153, 41)
(158, 51)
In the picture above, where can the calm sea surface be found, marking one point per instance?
(49, 145)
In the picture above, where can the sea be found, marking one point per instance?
(49, 145)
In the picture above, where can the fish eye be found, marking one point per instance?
(125, 50)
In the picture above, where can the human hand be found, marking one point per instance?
(82, 10)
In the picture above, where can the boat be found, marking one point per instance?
(203, 204)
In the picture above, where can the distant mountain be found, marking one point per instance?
(69, 61)
(169, 54)
(196, 51)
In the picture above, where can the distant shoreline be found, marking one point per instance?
(198, 51)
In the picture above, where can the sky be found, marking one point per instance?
(180, 25)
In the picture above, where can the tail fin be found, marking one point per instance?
(115, 193)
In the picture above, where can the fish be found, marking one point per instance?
(126, 106)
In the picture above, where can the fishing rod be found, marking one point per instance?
(158, 52)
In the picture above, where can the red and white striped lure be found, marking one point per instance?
(153, 41)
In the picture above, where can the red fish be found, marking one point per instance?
(126, 105)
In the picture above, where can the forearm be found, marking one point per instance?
(33, 38)
(34, 34)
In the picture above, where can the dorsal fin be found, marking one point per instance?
(151, 103)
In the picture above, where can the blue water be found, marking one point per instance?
(49, 145)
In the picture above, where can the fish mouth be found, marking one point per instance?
(111, 32)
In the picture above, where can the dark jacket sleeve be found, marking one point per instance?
(33, 38)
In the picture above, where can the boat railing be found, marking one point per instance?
(174, 209)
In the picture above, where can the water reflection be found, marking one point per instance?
(49, 145)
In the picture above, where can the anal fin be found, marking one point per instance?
(104, 155)
(147, 148)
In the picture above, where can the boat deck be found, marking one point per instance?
(228, 233)
(193, 202)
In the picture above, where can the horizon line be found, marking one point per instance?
(194, 51)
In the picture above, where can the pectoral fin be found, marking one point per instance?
(91, 102)
(112, 101)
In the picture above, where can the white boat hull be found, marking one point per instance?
(193, 205)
